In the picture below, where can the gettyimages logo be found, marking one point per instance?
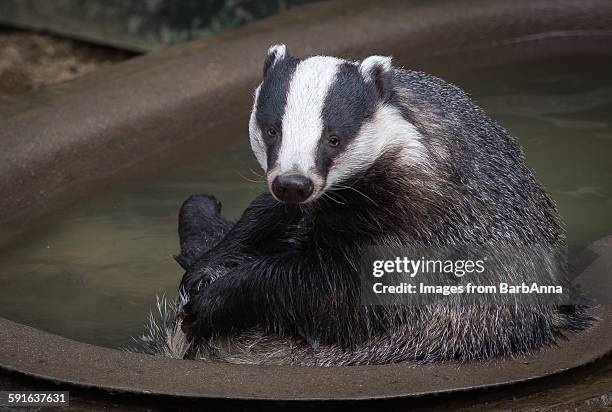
(466, 275)
(412, 268)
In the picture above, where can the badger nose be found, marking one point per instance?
(292, 188)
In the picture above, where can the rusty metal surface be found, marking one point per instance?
(51, 357)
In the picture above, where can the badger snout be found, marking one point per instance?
(292, 188)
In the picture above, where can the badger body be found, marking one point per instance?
(359, 154)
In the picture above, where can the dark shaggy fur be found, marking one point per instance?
(281, 285)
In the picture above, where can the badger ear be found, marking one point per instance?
(377, 70)
(276, 53)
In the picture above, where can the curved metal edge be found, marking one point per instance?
(54, 358)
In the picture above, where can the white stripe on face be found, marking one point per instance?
(257, 144)
(386, 130)
(302, 123)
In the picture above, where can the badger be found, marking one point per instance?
(360, 153)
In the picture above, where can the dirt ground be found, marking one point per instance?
(29, 61)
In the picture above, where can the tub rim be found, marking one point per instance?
(61, 360)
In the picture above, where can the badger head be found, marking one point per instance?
(317, 122)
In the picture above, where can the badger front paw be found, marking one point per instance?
(221, 307)
(196, 318)
(206, 314)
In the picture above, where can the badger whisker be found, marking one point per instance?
(257, 174)
(250, 180)
(355, 190)
(328, 196)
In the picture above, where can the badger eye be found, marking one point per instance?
(333, 140)
(272, 132)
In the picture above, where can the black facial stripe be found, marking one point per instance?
(271, 103)
(350, 101)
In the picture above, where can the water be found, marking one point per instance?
(93, 274)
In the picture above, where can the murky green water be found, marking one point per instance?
(94, 273)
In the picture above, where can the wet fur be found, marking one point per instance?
(280, 286)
